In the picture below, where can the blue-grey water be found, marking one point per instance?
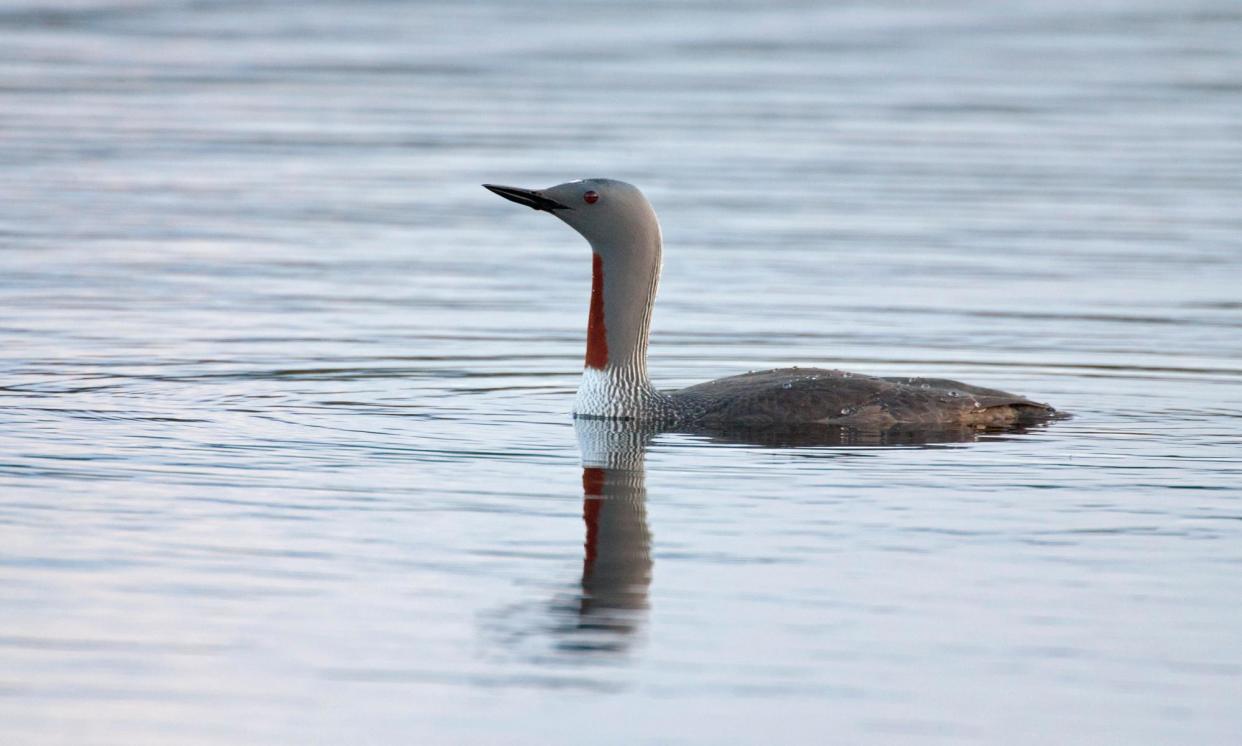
(285, 446)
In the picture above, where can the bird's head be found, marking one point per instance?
(609, 214)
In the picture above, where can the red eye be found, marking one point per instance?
(590, 198)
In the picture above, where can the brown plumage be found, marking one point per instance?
(815, 396)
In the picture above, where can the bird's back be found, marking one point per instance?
(806, 396)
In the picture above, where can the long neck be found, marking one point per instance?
(623, 290)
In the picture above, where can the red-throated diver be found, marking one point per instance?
(621, 226)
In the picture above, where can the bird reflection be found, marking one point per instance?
(616, 564)
(608, 606)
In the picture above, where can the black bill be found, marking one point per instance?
(528, 197)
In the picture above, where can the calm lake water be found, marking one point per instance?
(285, 446)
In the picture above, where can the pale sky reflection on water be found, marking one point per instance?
(284, 393)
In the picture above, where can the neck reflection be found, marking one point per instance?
(616, 564)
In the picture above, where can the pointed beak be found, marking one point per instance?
(529, 197)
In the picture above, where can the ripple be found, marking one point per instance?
(285, 394)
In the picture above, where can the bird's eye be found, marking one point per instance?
(590, 198)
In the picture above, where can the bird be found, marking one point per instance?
(621, 226)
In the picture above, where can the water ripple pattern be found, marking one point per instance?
(285, 454)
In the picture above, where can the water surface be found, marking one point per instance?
(286, 447)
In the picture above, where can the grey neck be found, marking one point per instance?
(621, 389)
(631, 276)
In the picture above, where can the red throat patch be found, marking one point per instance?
(597, 335)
